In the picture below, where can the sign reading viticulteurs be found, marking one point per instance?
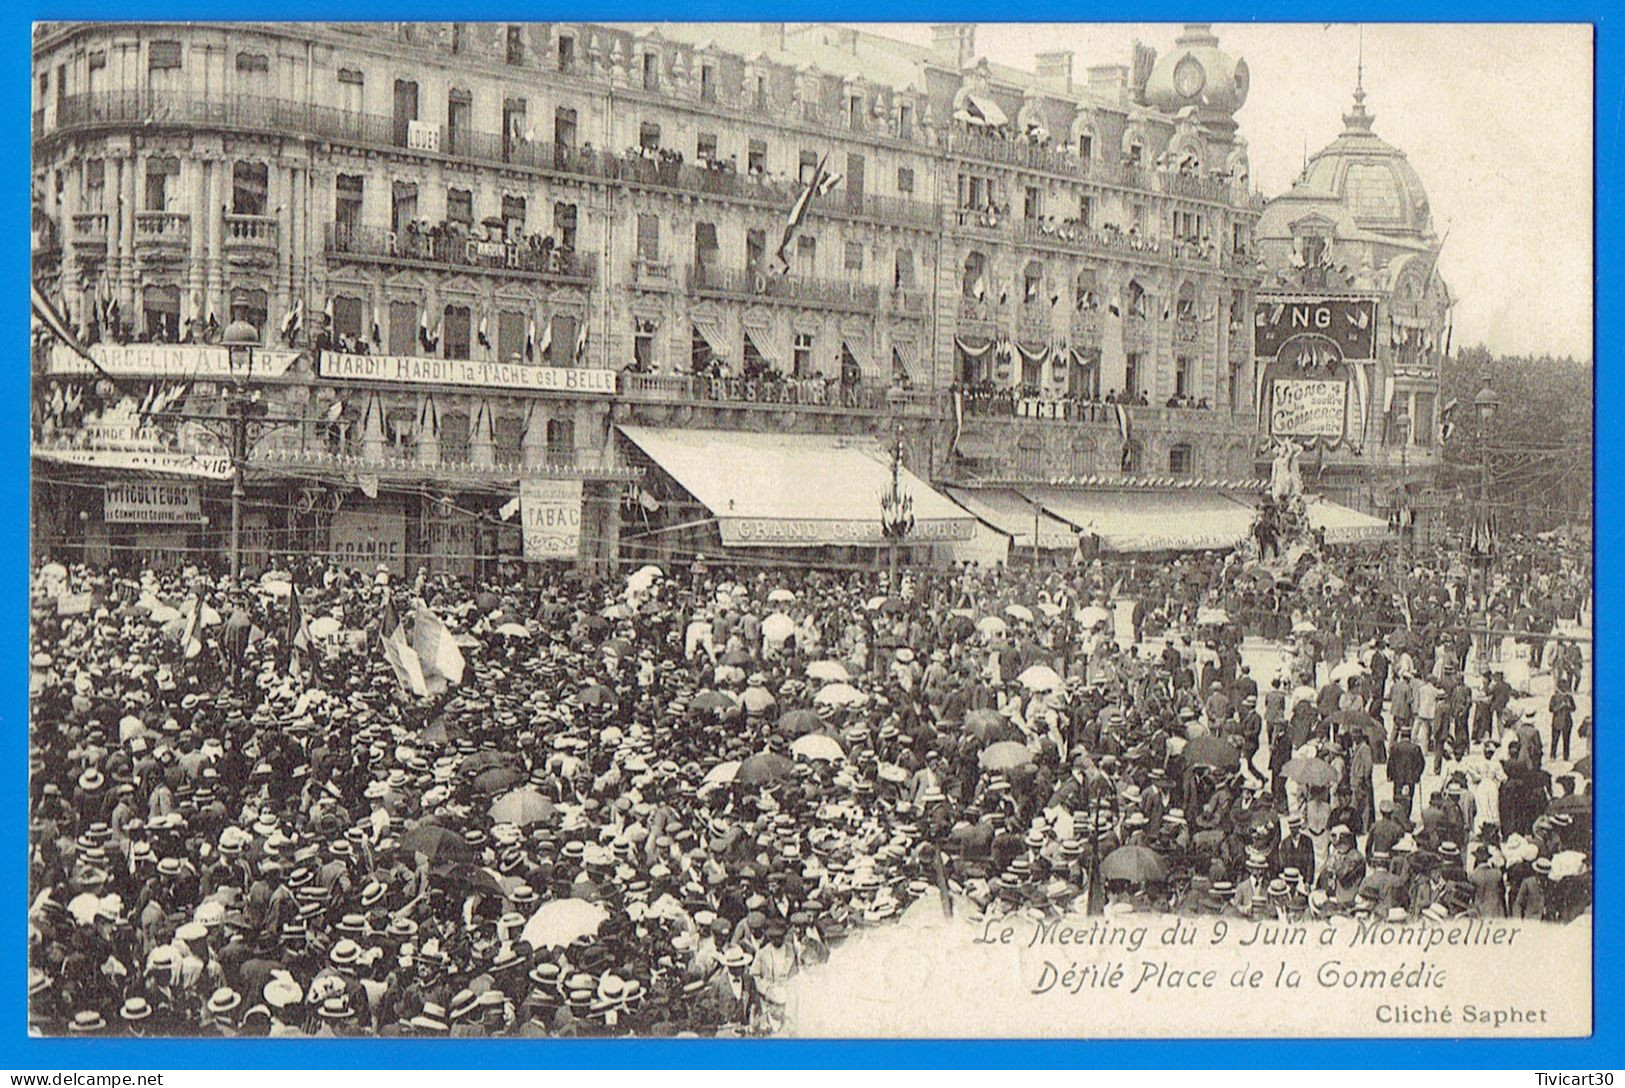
(414, 369)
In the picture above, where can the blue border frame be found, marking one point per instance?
(1605, 1049)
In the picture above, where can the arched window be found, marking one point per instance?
(1085, 290)
(1186, 306)
(249, 183)
(974, 282)
(1083, 455)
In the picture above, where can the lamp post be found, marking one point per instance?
(1485, 402)
(1404, 425)
(240, 339)
(896, 508)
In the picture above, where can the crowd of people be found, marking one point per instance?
(641, 805)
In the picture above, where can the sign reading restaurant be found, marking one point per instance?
(414, 369)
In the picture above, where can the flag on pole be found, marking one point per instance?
(403, 661)
(423, 328)
(293, 321)
(327, 312)
(545, 344)
(581, 344)
(482, 337)
(299, 640)
(436, 649)
(439, 331)
(530, 339)
(377, 335)
(191, 640)
(798, 212)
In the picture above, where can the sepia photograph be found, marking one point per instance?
(825, 530)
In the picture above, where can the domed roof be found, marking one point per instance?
(1196, 72)
(1371, 178)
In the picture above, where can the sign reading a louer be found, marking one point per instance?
(415, 369)
(550, 514)
(151, 502)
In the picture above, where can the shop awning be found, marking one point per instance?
(987, 110)
(1147, 521)
(1343, 525)
(1008, 512)
(795, 491)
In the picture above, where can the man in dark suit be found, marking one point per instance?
(1405, 765)
(1379, 680)
(1297, 851)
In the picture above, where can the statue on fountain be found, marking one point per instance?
(1285, 480)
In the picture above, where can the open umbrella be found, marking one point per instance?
(1304, 627)
(795, 723)
(781, 596)
(497, 778)
(595, 695)
(324, 627)
(436, 843)
(992, 625)
(1582, 766)
(513, 630)
(1212, 617)
(989, 725)
(1347, 671)
(1092, 615)
(84, 906)
(1004, 755)
(873, 603)
(484, 761)
(648, 570)
(1135, 864)
(1310, 771)
(1039, 678)
(617, 646)
(1019, 611)
(1211, 751)
(563, 922)
(712, 700)
(523, 806)
(721, 774)
(817, 746)
(833, 671)
(778, 627)
(487, 602)
(756, 700)
(840, 695)
(762, 767)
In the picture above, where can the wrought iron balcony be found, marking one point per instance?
(450, 248)
(787, 290)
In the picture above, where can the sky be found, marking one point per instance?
(1497, 120)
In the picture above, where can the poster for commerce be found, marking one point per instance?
(550, 511)
(1307, 408)
(152, 502)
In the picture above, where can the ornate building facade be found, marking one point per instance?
(1352, 324)
(473, 253)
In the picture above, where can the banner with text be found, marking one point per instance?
(190, 362)
(550, 511)
(368, 538)
(415, 369)
(1351, 323)
(150, 502)
(209, 466)
(1308, 408)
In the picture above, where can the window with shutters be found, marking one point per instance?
(705, 245)
(459, 121)
(648, 236)
(347, 190)
(1131, 373)
(809, 165)
(163, 56)
(806, 255)
(454, 438)
(643, 345)
(460, 209)
(352, 90)
(160, 172)
(508, 439)
(708, 83)
(564, 126)
(404, 322)
(567, 53)
(1181, 462)
(564, 225)
(403, 205)
(1182, 377)
(510, 336)
(649, 136)
(905, 180)
(454, 332)
(651, 71)
(95, 184)
(802, 355)
(561, 352)
(347, 317)
(249, 181)
(561, 441)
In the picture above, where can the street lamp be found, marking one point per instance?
(1403, 425)
(1485, 402)
(896, 509)
(240, 339)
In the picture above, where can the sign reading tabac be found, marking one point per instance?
(1351, 323)
(550, 513)
(415, 369)
(1307, 408)
(151, 502)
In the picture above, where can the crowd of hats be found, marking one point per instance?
(647, 805)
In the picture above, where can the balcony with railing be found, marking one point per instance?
(452, 248)
(553, 462)
(1086, 328)
(250, 233)
(978, 317)
(162, 230)
(805, 291)
(1099, 241)
(1033, 325)
(905, 301)
(1136, 332)
(1196, 187)
(1022, 153)
(777, 392)
(90, 231)
(653, 275)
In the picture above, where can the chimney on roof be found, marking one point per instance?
(954, 43)
(772, 34)
(1055, 69)
(1109, 81)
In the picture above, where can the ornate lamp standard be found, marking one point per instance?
(240, 339)
(896, 509)
(1482, 541)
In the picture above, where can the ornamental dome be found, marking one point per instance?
(1370, 178)
(1196, 72)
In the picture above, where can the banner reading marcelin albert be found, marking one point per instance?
(550, 513)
